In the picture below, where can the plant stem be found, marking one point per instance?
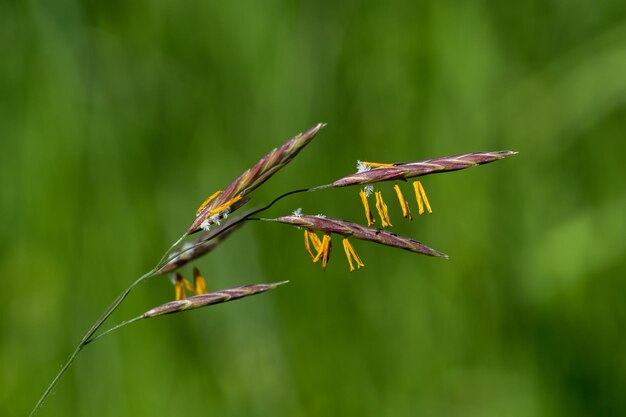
(122, 324)
(88, 337)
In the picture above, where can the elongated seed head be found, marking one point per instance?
(357, 231)
(407, 170)
(202, 300)
(255, 176)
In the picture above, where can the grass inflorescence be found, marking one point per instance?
(214, 219)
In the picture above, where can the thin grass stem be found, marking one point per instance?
(122, 324)
(87, 338)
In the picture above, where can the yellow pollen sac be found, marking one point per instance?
(382, 210)
(225, 205)
(368, 213)
(351, 254)
(199, 282)
(324, 252)
(317, 244)
(406, 212)
(420, 196)
(378, 165)
(208, 200)
(180, 287)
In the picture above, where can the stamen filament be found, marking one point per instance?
(382, 210)
(406, 212)
(350, 253)
(366, 206)
(208, 200)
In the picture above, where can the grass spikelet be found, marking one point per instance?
(347, 229)
(233, 196)
(403, 171)
(216, 297)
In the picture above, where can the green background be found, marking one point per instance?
(118, 118)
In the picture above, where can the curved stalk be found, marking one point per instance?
(89, 336)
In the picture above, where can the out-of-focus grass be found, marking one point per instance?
(117, 119)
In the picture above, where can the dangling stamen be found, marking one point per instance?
(326, 256)
(420, 196)
(317, 244)
(208, 200)
(180, 287)
(199, 282)
(324, 253)
(366, 206)
(423, 192)
(406, 212)
(382, 210)
(306, 244)
(350, 253)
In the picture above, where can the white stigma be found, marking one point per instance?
(369, 189)
(362, 167)
(298, 212)
(215, 219)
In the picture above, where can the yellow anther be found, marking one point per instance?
(406, 212)
(324, 253)
(368, 213)
(420, 196)
(225, 205)
(377, 165)
(180, 287)
(351, 254)
(307, 236)
(199, 282)
(382, 210)
(317, 243)
(208, 200)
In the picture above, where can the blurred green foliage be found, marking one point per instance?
(118, 118)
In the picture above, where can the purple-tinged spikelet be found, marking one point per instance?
(404, 171)
(216, 297)
(347, 229)
(234, 196)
